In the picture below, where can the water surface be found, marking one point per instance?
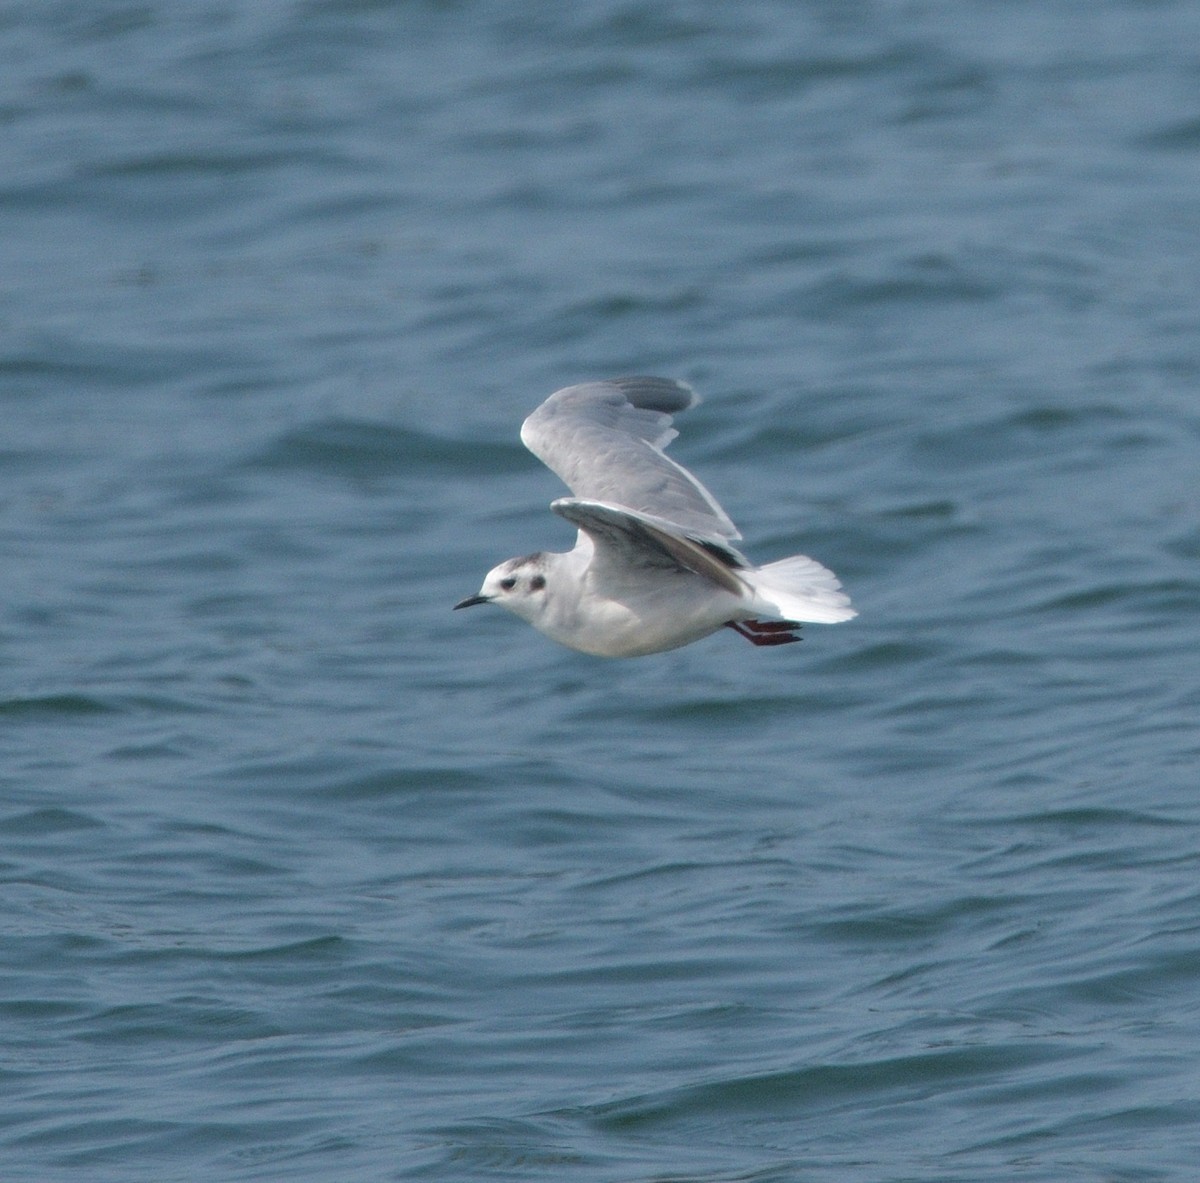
(306, 876)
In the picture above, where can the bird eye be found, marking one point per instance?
(537, 583)
(508, 584)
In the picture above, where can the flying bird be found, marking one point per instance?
(653, 566)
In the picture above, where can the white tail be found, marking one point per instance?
(799, 588)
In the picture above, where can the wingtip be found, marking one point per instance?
(670, 395)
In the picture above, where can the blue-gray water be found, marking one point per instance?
(307, 877)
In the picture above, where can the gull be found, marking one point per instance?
(653, 567)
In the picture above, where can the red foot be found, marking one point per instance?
(766, 632)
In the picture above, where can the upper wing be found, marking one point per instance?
(606, 440)
(642, 540)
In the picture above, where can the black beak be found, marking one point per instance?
(471, 601)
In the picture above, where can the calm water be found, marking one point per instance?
(307, 877)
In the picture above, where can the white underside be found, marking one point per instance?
(631, 612)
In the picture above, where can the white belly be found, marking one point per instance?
(629, 627)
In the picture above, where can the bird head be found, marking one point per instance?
(516, 584)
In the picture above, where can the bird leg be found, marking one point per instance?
(766, 632)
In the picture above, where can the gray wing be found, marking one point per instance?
(606, 441)
(642, 540)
